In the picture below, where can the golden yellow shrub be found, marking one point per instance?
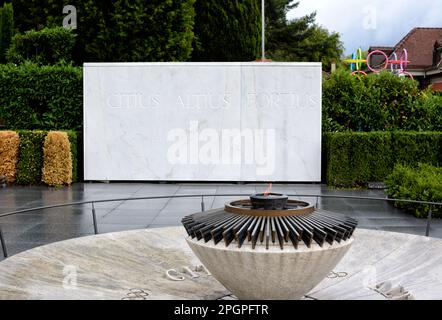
(57, 159)
(9, 146)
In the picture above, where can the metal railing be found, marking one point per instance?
(202, 196)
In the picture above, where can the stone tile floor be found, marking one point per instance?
(25, 231)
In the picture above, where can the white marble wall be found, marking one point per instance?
(203, 121)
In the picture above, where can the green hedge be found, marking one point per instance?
(378, 102)
(73, 140)
(43, 98)
(412, 148)
(30, 161)
(44, 47)
(423, 183)
(351, 159)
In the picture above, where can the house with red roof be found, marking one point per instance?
(424, 47)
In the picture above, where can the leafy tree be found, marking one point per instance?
(6, 29)
(322, 45)
(299, 39)
(227, 30)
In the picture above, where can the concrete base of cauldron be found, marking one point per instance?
(274, 274)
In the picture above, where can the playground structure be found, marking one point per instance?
(397, 66)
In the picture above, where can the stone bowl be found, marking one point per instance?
(274, 274)
(272, 201)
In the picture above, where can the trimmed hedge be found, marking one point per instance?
(43, 98)
(412, 148)
(30, 160)
(73, 140)
(9, 146)
(423, 183)
(57, 164)
(43, 47)
(351, 159)
(31, 156)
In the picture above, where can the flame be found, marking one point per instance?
(269, 190)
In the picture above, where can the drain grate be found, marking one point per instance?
(391, 292)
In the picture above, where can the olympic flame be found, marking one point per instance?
(269, 190)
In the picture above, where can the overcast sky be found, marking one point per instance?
(372, 22)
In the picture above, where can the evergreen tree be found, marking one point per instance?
(6, 29)
(299, 39)
(227, 30)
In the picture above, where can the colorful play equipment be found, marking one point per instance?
(397, 66)
(356, 63)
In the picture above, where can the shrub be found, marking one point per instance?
(377, 102)
(411, 148)
(422, 183)
(6, 29)
(73, 141)
(57, 165)
(433, 103)
(30, 160)
(352, 159)
(44, 98)
(9, 144)
(44, 47)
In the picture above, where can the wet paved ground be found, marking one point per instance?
(25, 231)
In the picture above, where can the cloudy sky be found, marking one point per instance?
(372, 22)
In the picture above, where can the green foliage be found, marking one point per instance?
(412, 148)
(421, 183)
(47, 98)
(378, 102)
(432, 103)
(6, 29)
(299, 39)
(322, 46)
(29, 14)
(163, 30)
(227, 30)
(121, 30)
(30, 160)
(44, 47)
(351, 159)
(73, 140)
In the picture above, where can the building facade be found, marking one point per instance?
(424, 47)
